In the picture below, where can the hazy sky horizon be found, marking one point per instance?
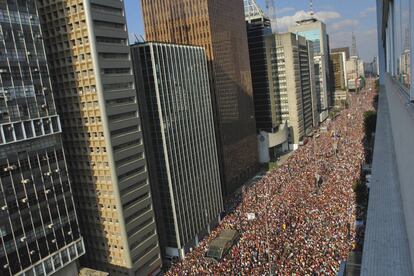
(342, 17)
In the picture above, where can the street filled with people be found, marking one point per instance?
(300, 218)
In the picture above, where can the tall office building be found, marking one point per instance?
(315, 31)
(180, 142)
(342, 50)
(355, 70)
(291, 70)
(87, 45)
(339, 73)
(219, 27)
(258, 28)
(39, 231)
(272, 132)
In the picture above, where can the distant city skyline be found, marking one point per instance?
(341, 17)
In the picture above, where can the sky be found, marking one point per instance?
(341, 17)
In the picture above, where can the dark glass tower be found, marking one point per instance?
(218, 26)
(258, 27)
(180, 142)
(39, 232)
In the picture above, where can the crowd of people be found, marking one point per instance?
(304, 211)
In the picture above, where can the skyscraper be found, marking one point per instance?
(219, 27)
(291, 64)
(314, 30)
(342, 50)
(87, 45)
(39, 231)
(338, 66)
(258, 28)
(180, 142)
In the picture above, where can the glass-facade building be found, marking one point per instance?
(398, 42)
(315, 31)
(258, 28)
(219, 27)
(39, 230)
(180, 141)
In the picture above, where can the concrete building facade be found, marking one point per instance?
(180, 141)
(39, 229)
(219, 27)
(315, 31)
(355, 73)
(339, 73)
(290, 69)
(342, 50)
(87, 46)
(389, 235)
(338, 61)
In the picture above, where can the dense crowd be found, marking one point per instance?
(304, 211)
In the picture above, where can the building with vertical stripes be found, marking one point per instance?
(258, 28)
(219, 27)
(180, 142)
(291, 70)
(314, 30)
(39, 231)
(87, 46)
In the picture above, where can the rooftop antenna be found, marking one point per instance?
(312, 13)
(271, 10)
(354, 45)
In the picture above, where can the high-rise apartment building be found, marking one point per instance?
(39, 230)
(180, 142)
(291, 71)
(219, 27)
(314, 30)
(87, 46)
